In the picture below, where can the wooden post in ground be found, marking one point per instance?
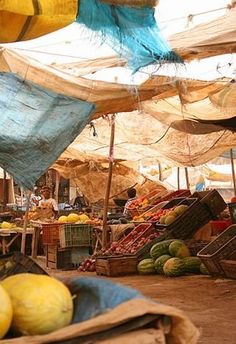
(233, 170)
(187, 178)
(108, 186)
(23, 238)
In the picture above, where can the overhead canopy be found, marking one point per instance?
(90, 176)
(210, 39)
(178, 107)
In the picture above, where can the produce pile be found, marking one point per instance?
(7, 225)
(79, 219)
(162, 216)
(88, 264)
(139, 237)
(33, 305)
(171, 258)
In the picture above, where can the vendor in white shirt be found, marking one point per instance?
(47, 201)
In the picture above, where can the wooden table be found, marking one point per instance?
(8, 236)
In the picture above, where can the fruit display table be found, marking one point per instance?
(8, 237)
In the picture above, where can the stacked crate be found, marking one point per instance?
(66, 245)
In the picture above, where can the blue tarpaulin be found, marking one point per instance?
(37, 125)
(131, 32)
(96, 296)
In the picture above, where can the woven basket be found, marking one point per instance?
(133, 3)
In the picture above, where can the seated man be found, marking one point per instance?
(131, 196)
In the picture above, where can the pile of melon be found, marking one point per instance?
(33, 305)
(7, 225)
(171, 258)
(74, 218)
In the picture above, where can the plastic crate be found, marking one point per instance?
(50, 233)
(75, 235)
(116, 266)
(16, 263)
(223, 247)
(185, 225)
(212, 200)
(65, 258)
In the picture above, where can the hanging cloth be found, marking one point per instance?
(132, 32)
(37, 125)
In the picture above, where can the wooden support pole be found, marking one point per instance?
(178, 178)
(108, 186)
(160, 171)
(57, 186)
(4, 190)
(187, 178)
(233, 170)
(23, 239)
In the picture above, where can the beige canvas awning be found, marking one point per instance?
(210, 39)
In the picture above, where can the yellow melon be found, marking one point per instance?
(62, 219)
(83, 218)
(41, 304)
(73, 218)
(5, 312)
(6, 225)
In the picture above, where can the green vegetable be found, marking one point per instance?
(159, 263)
(192, 264)
(160, 248)
(146, 267)
(178, 249)
(174, 267)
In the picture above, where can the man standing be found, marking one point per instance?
(47, 201)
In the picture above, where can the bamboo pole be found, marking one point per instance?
(23, 239)
(233, 170)
(178, 178)
(187, 178)
(108, 186)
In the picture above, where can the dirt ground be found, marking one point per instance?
(209, 302)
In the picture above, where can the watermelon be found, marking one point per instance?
(192, 264)
(146, 266)
(159, 263)
(204, 270)
(178, 249)
(160, 248)
(174, 267)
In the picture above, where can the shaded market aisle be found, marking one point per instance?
(209, 302)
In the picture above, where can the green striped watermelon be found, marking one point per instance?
(174, 267)
(146, 266)
(192, 264)
(160, 248)
(159, 263)
(178, 249)
(203, 269)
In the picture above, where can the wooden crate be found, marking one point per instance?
(65, 258)
(116, 266)
(16, 263)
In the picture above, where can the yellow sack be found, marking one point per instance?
(28, 19)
